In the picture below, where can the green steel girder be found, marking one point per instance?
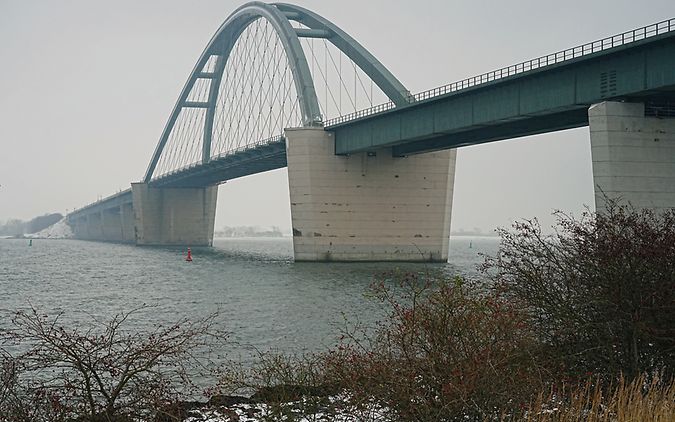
(523, 127)
(547, 99)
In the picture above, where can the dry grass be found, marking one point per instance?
(639, 400)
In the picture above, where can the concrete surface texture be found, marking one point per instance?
(368, 206)
(633, 155)
(174, 216)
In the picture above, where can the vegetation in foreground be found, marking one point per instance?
(102, 373)
(576, 325)
(587, 310)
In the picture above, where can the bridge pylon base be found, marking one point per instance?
(367, 206)
(174, 216)
(633, 155)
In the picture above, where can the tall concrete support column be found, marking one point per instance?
(367, 206)
(87, 227)
(128, 223)
(174, 216)
(94, 226)
(111, 225)
(633, 155)
(79, 226)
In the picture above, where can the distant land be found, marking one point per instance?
(15, 227)
(275, 231)
(18, 228)
(474, 232)
(249, 231)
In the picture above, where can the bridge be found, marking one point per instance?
(370, 165)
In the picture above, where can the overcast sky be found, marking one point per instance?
(86, 88)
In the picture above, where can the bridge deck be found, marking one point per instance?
(545, 99)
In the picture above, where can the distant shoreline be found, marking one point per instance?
(473, 235)
(281, 236)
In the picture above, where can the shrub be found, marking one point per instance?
(444, 352)
(600, 291)
(566, 313)
(104, 373)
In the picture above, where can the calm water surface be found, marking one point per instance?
(267, 301)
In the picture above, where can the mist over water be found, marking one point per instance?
(266, 300)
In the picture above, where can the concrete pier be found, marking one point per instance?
(127, 222)
(633, 155)
(95, 226)
(174, 216)
(111, 225)
(80, 227)
(367, 206)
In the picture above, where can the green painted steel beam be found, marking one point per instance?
(211, 111)
(312, 33)
(372, 67)
(542, 100)
(196, 104)
(508, 130)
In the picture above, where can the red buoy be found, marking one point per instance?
(189, 256)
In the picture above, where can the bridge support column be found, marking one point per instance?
(79, 226)
(111, 225)
(128, 225)
(94, 226)
(174, 216)
(633, 155)
(367, 206)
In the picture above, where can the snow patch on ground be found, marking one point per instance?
(58, 230)
(261, 412)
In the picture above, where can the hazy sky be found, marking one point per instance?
(86, 88)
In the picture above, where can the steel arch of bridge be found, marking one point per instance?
(279, 15)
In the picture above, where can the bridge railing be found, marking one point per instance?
(526, 66)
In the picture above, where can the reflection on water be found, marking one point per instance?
(266, 300)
